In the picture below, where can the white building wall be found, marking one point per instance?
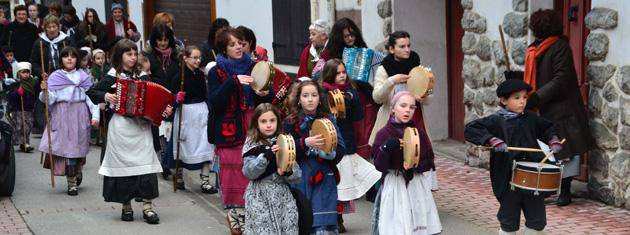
(426, 23)
(371, 23)
(254, 14)
(618, 47)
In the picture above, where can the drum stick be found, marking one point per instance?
(505, 52)
(547, 155)
(519, 149)
(50, 157)
(180, 113)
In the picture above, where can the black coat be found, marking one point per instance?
(22, 37)
(354, 112)
(36, 56)
(558, 99)
(521, 131)
(82, 31)
(162, 74)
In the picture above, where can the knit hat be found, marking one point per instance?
(23, 66)
(96, 52)
(510, 86)
(397, 96)
(117, 6)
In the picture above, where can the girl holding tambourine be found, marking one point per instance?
(269, 205)
(319, 171)
(356, 174)
(404, 204)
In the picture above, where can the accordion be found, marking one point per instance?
(361, 63)
(142, 99)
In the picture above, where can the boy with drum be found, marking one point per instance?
(514, 126)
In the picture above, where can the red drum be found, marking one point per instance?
(142, 99)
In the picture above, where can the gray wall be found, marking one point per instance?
(426, 22)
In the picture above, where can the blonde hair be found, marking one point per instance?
(163, 18)
(51, 19)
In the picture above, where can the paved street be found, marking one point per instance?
(51, 211)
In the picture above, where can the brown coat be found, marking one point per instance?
(558, 98)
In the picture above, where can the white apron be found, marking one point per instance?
(357, 177)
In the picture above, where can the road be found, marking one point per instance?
(52, 211)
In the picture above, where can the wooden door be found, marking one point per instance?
(573, 13)
(192, 18)
(291, 19)
(455, 58)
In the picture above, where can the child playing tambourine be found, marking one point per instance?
(268, 195)
(514, 126)
(357, 175)
(404, 204)
(319, 171)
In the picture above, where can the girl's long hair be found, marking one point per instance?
(122, 46)
(254, 133)
(295, 107)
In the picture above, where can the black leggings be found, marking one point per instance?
(511, 204)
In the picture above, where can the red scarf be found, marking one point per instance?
(341, 87)
(530, 60)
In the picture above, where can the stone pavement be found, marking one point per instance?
(11, 222)
(465, 192)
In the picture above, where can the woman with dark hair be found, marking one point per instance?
(556, 95)
(33, 16)
(255, 52)
(344, 33)
(162, 56)
(232, 100)
(91, 29)
(209, 50)
(70, 20)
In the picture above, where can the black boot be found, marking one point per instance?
(340, 227)
(565, 192)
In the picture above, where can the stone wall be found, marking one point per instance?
(484, 63)
(609, 109)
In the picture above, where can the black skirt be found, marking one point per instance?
(123, 189)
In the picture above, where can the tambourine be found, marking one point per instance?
(420, 81)
(285, 157)
(337, 103)
(263, 74)
(411, 147)
(328, 131)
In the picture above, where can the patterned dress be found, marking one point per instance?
(269, 205)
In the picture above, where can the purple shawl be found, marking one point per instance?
(394, 160)
(58, 80)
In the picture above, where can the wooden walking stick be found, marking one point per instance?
(180, 110)
(505, 52)
(50, 157)
(23, 122)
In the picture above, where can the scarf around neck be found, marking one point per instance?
(507, 114)
(59, 80)
(28, 84)
(233, 67)
(333, 86)
(165, 55)
(532, 53)
(393, 66)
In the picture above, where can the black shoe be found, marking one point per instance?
(207, 188)
(563, 200)
(29, 149)
(79, 178)
(73, 191)
(138, 199)
(150, 217)
(180, 185)
(127, 215)
(165, 174)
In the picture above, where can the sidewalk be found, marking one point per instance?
(465, 192)
(11, 222)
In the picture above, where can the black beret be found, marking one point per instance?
(510, 86)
